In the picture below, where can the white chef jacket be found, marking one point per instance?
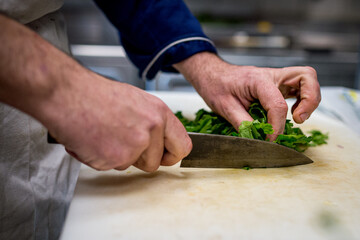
(37, 179)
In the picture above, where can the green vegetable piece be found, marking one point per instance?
(245, 130)
(298, 142)
(318, 138)
(293, 137)
(257, 112)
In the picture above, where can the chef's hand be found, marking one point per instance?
(104, 124)
(229, 89)
(108, 124)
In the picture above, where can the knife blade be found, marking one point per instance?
(218, 151)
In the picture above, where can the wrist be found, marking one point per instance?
(199, 66)
(203, 70)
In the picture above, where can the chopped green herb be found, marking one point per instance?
(207, 122)
(293, 137)
(318, 138)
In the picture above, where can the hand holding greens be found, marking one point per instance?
(211, 123)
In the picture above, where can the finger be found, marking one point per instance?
(274, 103)
(234, 112)
(303, 79)
(295, 105)
(150, 159)
(176, 141)
(127, 150)
(97, 165)
(130, 155)
(125, 155)
(310, 98)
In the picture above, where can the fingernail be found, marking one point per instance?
(304, 116)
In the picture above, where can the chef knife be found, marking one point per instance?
(218, 151)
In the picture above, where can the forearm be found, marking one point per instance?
(32, 71)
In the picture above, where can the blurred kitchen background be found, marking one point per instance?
(324, 34)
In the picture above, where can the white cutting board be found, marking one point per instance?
(314, 201)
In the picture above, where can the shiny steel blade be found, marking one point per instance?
(217, 151)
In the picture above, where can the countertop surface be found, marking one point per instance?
(314, 201)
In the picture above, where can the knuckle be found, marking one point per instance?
(156, 122)
(151, 168)
(100, 167)
(122, 163)
(314, 100)
(219, 104)
(311, 71)
(147, 165)
(122, 167)
(188, 147)
(227, 109)
(143, 140)
(118, 158)
(139, 139)
(160, 105)
(252, 73)
(281, 105)
(156, 119)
